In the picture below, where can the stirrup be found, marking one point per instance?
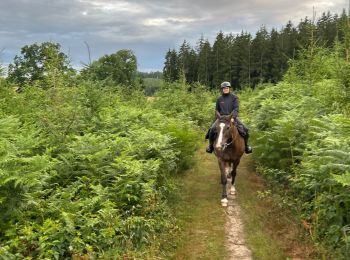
(210, 149)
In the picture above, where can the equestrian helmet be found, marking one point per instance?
(225, 84)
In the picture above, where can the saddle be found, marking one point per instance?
(241, 130)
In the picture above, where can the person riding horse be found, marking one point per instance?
(228, 104)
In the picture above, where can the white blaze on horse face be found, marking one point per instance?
(218, 143)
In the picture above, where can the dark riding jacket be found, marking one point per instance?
(227, 104)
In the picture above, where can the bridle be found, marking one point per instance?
(234, 136)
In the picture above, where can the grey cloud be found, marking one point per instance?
(140, 24)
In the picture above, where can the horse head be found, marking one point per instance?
(225, 130)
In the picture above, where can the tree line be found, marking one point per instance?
(245, 60)
(44, 64)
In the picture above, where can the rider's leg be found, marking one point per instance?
(245, 135)
(211, 137)
(247, 149)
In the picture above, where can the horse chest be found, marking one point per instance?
(228, 155)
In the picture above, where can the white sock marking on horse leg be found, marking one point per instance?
(231, 167)
(224, 202)
(233, 190)
(218, 143)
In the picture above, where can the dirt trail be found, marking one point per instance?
(236, 245)
(209, 231)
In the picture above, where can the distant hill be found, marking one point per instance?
(152, 74)
(152, 85)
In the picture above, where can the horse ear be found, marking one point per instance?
(232, 119)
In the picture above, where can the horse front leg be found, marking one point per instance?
(233, 175)
(222, 166)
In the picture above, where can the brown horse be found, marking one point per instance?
(228, 148)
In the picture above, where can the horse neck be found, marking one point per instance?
(237, 141)
(234, 132)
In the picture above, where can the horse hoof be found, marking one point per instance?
(224, 202)
(233, 190)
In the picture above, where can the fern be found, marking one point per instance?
(343, 179)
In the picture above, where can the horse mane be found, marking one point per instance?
(223, 118)
(227, 119)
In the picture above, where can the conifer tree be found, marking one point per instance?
(204, 55)
(184, 58)
(259, 56)
(289, 42)
(167, 67)
(341, 22)
(275, 59)
(192, 69)
(345, 33)
(326, 30)
(244, 56)
(230, 40)
(171, 68)
(187, 59)
(304, 32)
(220, 60)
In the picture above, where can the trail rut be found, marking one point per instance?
(236, 245)
(209, 231)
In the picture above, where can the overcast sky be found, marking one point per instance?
(149, 28)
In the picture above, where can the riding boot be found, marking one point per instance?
(211, 136)
(210, 147)
(248, 149)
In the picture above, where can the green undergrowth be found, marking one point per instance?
(85, 171)
(300, 134)
(271, 230)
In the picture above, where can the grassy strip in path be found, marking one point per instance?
(271, 232)
(200, 216)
